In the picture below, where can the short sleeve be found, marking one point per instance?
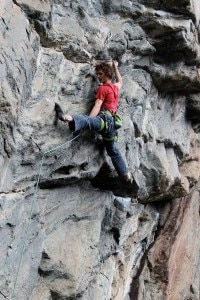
(101, 93)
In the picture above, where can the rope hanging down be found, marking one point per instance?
(32, 205)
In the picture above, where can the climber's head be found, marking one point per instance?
(104, 72)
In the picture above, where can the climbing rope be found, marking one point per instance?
(31, 210)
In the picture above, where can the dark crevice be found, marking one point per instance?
(134, 291)
(57, 296)
(10, 225)
(75, 218)
(60, 182)
(116, 234)
(57, 274)
(114, 183)
(45, 255)
(65, 169)
(16, 3)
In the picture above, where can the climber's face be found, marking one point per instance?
(102, 76)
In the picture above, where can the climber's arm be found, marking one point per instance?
(117, 74)
(96, 108)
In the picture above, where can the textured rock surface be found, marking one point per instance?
(69, 229)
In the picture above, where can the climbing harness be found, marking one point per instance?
(109, 125)
(116, 117)
(117, 121)
(31, 210)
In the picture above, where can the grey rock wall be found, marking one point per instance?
(69, 229)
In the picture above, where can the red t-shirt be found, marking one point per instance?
(109, 94)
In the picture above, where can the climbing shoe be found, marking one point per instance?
(59, 112)
(127, 178)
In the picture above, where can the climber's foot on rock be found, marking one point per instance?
(127, 178)
(59, 112)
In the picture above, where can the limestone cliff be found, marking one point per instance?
(69, 229)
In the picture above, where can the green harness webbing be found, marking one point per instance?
(104, 125)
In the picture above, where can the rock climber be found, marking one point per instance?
(101, 117)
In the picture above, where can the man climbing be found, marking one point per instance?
(101, 116)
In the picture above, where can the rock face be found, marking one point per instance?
(69, 229)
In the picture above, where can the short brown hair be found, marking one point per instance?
(106, 68)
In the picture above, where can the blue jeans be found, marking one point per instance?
(95, 123)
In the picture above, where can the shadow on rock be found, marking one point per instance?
(107, 179)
